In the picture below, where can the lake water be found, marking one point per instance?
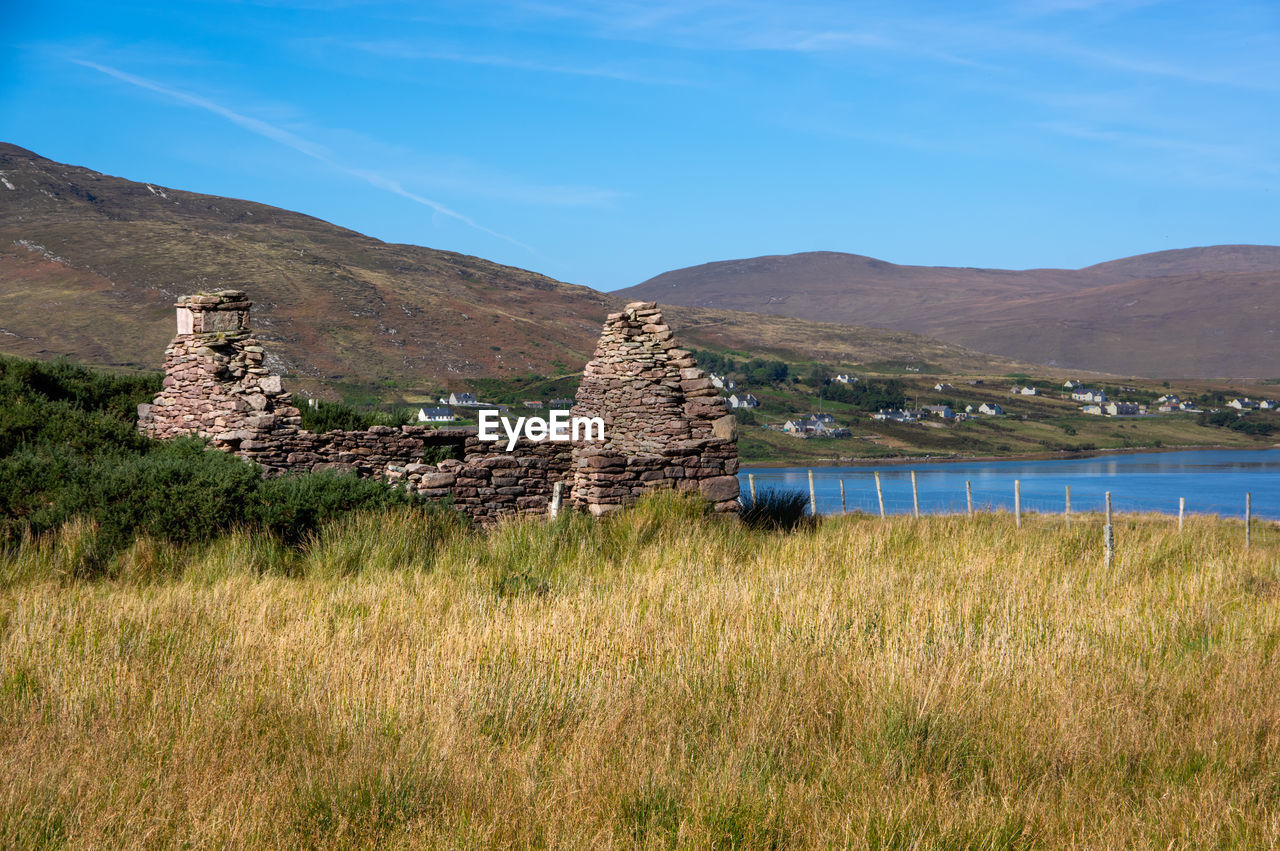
(1213, 481)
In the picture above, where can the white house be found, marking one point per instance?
(1096, 410)
(461, 399)
(991, 409)
(943, 387)
(845, 378)
(1122, 409)
(1245, 404)
(1268, 404)
(943, 411)
(1028, 390)
(1084, 394)
(1070, 384)
(894, 416)
(743, 400)
(436, 415)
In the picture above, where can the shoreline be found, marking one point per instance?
(900, 460)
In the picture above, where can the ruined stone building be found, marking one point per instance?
(665, 424)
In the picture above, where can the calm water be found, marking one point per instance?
(1213, 482)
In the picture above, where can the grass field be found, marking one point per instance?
(658, 679)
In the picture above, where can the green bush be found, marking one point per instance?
(70, 448)
(777, 510)
(292, 507)
(336, 416)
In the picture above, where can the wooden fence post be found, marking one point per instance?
(1248, 516)
(968, 495)
(813, 499)
(1108, 535)
(1067, 511)
(1017, 503)
(751, 483)
(915, 496)
(879, 493)
(843, 507)
(1182, 510)
(556, 491)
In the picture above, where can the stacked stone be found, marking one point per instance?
(366, 453)
(489, 484)
(215, 385)
(665, 424)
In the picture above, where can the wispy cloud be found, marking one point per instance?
(406, 50)
(297, 143)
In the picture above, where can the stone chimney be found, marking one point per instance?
(215, 384)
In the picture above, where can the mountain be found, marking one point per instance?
(90, 266)
(1196, 312)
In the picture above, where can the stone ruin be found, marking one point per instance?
(215, 385)
(665, 425)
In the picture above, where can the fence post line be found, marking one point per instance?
(968, 495)
(813, 499)
(1182, 510)
(879, 493)
(1248, 516)
(1067, 511)
(751, 483)
(1108, 535)
(843, 508)
(1017, 503)
(915, 496)
(556, 491)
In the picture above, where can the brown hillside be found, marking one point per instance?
(90, 266)
(1201, 311)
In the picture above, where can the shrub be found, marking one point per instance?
(336, 416)
(777, 510)
(291, 507)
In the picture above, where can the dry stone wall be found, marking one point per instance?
(665, 425)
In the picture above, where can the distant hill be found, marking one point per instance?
(1196, 312)
(90, 266)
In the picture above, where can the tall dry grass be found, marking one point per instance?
(659, 679)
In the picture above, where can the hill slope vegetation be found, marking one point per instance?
(1196, 312)
(90, 266)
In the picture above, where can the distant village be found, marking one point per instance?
(1092, 401)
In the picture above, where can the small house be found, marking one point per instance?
(533, 403)
(436, 415)
(561, 404)
(743, 400)
(943, 387)
(1089, 396)
(991, 409)
(462, 399)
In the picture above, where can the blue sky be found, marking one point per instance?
(606, 142)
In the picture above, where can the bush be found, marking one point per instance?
(70, 452)
(336, 416)
(777, 510)
(292, 507)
